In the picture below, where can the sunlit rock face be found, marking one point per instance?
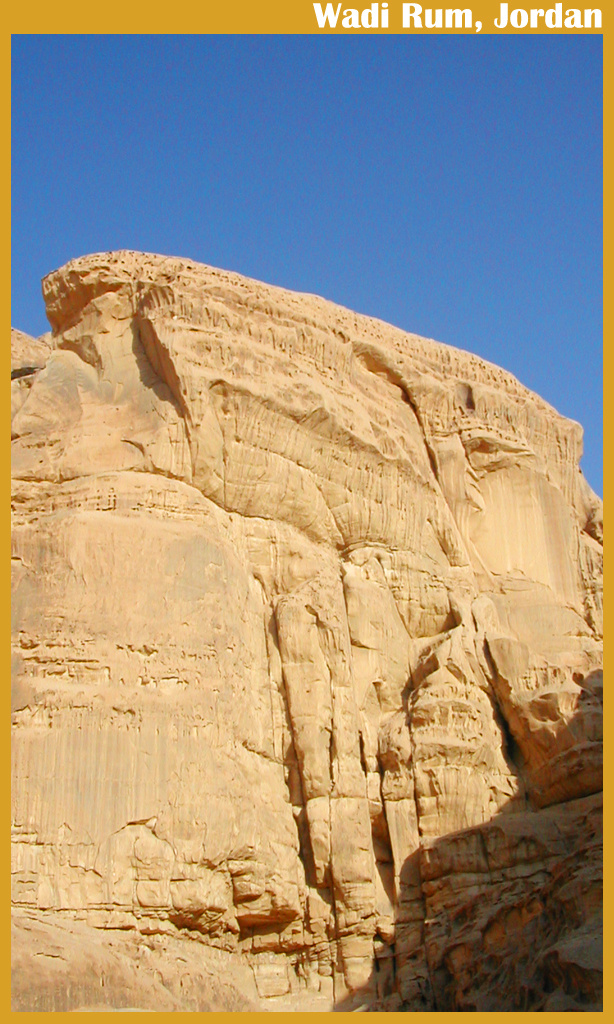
(307, 660)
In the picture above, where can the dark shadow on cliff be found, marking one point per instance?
(512, 919)
(504, 916)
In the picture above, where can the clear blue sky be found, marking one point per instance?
(451, 185)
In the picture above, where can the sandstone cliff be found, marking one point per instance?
(307, 660)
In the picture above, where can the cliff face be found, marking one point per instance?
(307, 659)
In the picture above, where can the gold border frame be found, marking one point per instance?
(263, 17)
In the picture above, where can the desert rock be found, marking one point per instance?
(307, 660)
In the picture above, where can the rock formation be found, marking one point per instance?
(307, 661)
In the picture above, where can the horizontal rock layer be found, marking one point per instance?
(307, 655)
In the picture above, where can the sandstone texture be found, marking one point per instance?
(307, 661)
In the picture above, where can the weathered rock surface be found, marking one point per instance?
(307, 660)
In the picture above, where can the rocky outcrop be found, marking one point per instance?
(307, 660)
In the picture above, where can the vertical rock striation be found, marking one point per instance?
(307, 659)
